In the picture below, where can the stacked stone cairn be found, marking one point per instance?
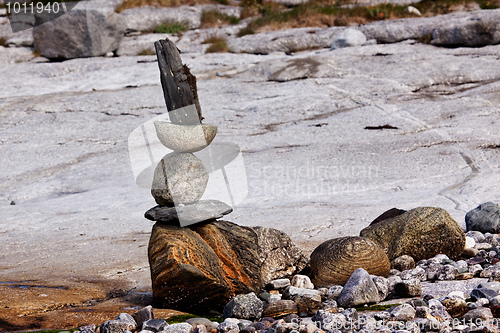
(198, 262)
(180, 178)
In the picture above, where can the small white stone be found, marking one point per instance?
(413, 10)
(302, 281)
(469, 242)
(457, 293)
(348, 37)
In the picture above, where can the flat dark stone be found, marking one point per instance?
(475, 260)
(203, 210)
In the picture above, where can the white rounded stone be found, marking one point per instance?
(469, 242)
(185, 138)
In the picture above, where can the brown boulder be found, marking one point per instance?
(201, 267)
(420, 233)
(334, 261)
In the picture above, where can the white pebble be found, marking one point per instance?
(469, 242)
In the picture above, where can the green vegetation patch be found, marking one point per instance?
(218, 45)
(326, 13)
(212, 18)
(171, 28)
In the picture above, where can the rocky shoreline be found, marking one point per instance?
(413, 298)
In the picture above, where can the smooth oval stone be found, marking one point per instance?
(179, 178)
(185, 138)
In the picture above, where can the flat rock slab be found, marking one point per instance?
(200, 211)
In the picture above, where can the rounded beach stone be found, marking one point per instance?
(185, 138)
(244, 307)
(484, 218)
(334, 261)
(403, 263)
(179, 178)
(421, 233)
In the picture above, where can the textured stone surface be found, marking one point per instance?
(308, 304)
(403, 263)
(404, 312)
(278, 284)
(484, 218)
(185, 138)
(209, 325)
(190, 269)
(202, 266)
(280, 309)
(408, 288)
(453, 29)
(294, 292)
(279, 255)
(358, 290)
(302, 281)
(335, 260)
(420, 233)
(244, 307)
(348, 37)
(480, 314)
(179, 178)
(200, 211)
(116, 326)
(329, 321)
(78, 34)
(476, 28)
(146, 313)
(382, 285)
(179, 328)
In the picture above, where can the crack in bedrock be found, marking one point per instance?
(473, 174)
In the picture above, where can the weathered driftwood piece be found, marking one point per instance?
(179, 85)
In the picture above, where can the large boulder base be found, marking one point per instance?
(420, 233)
(80, 33)
(201, 267)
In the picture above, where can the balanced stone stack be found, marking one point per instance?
(198, 263)
(180, 178)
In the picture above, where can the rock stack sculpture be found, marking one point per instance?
(180, 178)
(197, 267)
